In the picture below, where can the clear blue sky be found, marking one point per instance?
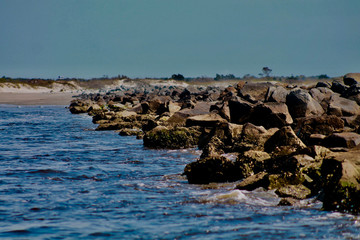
(156, 38)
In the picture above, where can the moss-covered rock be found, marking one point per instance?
(171, 138)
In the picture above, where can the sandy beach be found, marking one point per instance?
(36, 98)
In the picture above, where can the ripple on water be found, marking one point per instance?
(62, 180)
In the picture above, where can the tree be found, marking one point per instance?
(266, 71)
(177, 77)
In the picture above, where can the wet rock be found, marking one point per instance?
(254, 181)
(288, 201)
(252, 162)
(294, 191)
(341, 174)
(211, 169)
(171, 138)
(79, 106)
(301, 104)
(129, 132)
(117, 125)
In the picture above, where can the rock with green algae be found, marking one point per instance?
(341, 174)
(171, 138)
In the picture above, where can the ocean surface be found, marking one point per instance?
(60, 179)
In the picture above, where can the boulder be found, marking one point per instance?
(284, 141)
(253, 138)
(341, 174)
(171, 138)
(211, 169)
(240, 110)
(276, 94)
(79, 106)
(255, 91)
(255, 181)
(271, 114)
(251, 162)
(340, 106)
(338, 87)
(298, 191)
(325, 125)
(179, 117)
(205, 120)
(343, 139)
(351, 79)
(301, 104)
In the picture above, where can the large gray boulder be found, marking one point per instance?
(301, 104)
(276, 94)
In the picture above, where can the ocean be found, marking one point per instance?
(60, 179)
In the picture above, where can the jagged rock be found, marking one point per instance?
(341, 174)
(276, 94)
(284, 142)
(351, 79)
(211, 169)
(173, 138)
(271, 114)
(253, 137)
(295, 191)
(343, 139)
(205, 120)
(214, 147)
(325, 125)
(343, 107)
(240, 110)
(173, 107)
(301, 104)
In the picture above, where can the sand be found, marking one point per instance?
(36, 98)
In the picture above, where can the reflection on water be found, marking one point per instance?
(59, 180)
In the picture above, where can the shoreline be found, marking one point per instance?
(36, 98)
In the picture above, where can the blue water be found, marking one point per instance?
(60, 179)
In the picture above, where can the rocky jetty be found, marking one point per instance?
(301, 141)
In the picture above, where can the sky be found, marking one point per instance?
(158, 38)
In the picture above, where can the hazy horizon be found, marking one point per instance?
(158, 38)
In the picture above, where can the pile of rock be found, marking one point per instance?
(299, 141)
